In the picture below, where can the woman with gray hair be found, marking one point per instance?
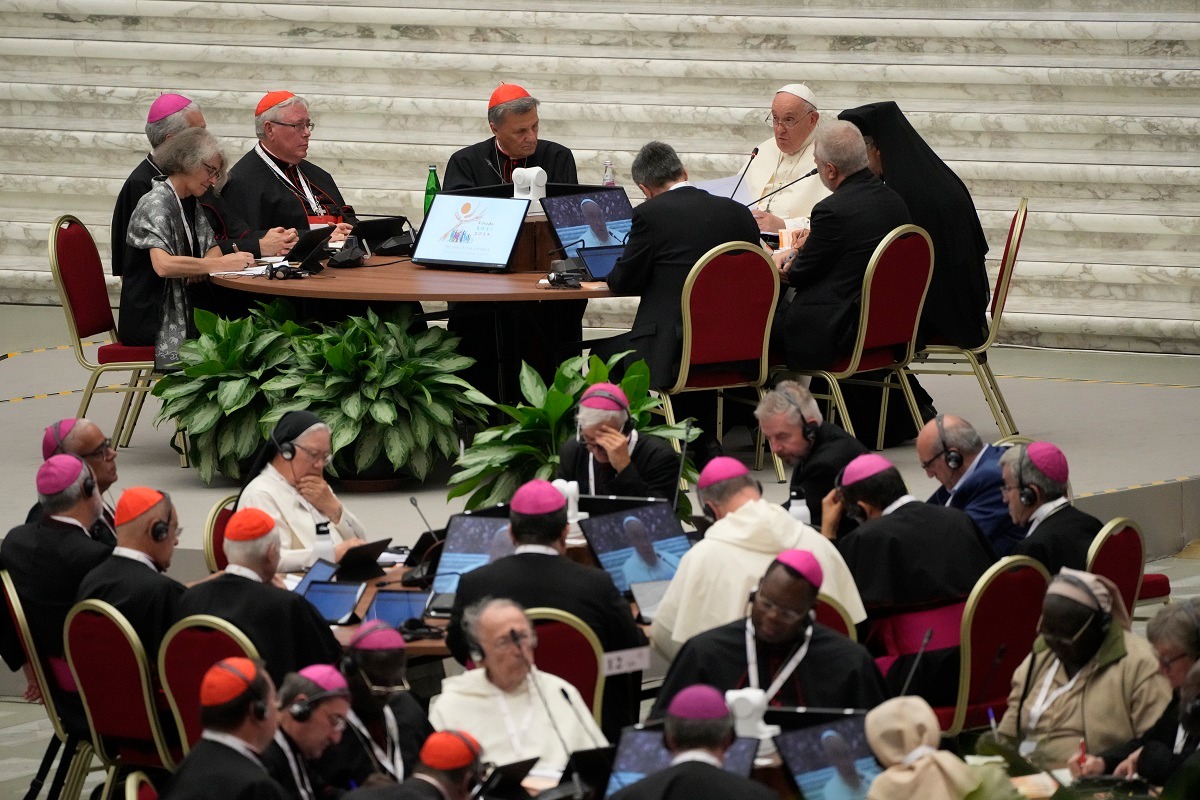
(169, 222)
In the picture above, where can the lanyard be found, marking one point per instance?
(592, 462)
(784, 673)
(1046, 697)
(516, 736)
(1180, 738)
(391, 761)
(299, 775)
(316, 208)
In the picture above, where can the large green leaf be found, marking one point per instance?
(369, 447)
(232, 395)
(533, 388)
(206, 321)
(353, 406)
(397, 443)
(383, 411)
(203, 419)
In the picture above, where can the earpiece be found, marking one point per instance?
(808, 428)
(162, 528)
(953, 458)
(286, 449)
(302, 709)
(1027, 494)
(1105, 616)
(259, 706)
(89, 483)
(627, 427)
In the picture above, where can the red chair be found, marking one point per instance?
(1156, 588)
(214, 533)
(110, 668)
(79, 277)
(939, 358)
(570, 649)
(733, 281)
(893, 293)
(999, 625)
(188, 649)
(1118, 554)
(139, 787)
(832, 614)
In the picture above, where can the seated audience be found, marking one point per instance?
(951, 451)
(1185, 783)
(240, 717)
(506, 701)
(450, 768)
(609, 457)
(538, 575)
(313, 705)
(903, 733)
(783, 158)
(698, 730)
(287, 480)
(83, 438)
(386, 724)
(791, 423)
(284, 627)
(133, 579)
(1035, 487)
(779, 648)
(1156, 755)
(1088, 678)
(714, 577)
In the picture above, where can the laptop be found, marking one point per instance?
(335, 602)
(504, 782)
(598, 262)
(831, 757)
(321, 570)
(362, 563)
(641, 752)
(309, 250)
(470, 233)
(598, 218)
(473, 538)
(395, 608)
(637, 545)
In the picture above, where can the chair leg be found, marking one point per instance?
(72, 770)
(144, 380)
(837, 403)
(88, 391)
(180, 443)
(39, 779)
(126, 402)
(885, 393)
(720, 416)
(910, 398)
(110, 783)
(1000, 401)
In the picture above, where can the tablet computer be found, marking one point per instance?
(395, 608)
(641, 752)
(473, 538)
(637, 545)
(831, 758)
(362, 562)
(335, 601)
(321, 570)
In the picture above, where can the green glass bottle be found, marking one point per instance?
(432, 187)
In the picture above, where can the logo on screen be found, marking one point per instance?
(465, 217)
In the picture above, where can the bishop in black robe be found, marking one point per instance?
(144, 595)
(1062, 539)
(652, 472)
(265, 200)
(482, 164)
(351, 761)
(103, 531)
(214, 770)
(693, 779)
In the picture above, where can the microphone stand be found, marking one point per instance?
(808, 174)
(745, 169)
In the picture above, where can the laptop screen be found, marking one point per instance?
(395, 608)
(334, 601)
(637, 545)
(831, 759)
(472, 540)
(600, 260)
(596, 218)
(470, 232)
(641, 752)
(321, 570)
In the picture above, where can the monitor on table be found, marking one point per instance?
(335, 601)
(397, 607)
(470, 232)
(473, 538)
(637, 545)
(321, 570)
(829, 759)
(641, 752)
(595, 218)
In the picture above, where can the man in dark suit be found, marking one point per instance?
(951, 450)
(538, 575)
(83, 438)
(676, 225)
(698, 731)
(450, 769)
(827, 271)
(1035, 488)
(285, 628)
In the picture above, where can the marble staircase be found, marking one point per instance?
(1087, 108)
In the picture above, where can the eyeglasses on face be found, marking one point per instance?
(298, 126)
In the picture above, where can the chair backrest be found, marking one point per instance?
(999, 625)
(570, 649)
(214, 533)
(139, 787)
(21, 624)
(79, 276)
(832, 614)
(188, 649)
(733, 281)
(1016, 229)
(109, 665)
(1118, 553)
(893, 294)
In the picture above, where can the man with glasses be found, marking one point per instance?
(313, 705)
(287, 480)
(783, 158)
(779, 648)
(83, 438)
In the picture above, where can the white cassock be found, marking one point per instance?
(772, 169)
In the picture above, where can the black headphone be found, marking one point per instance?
(302, 708)
(161, 528)
(284, 272)
(591, 392)
(1027, 494)
(953, 458)
(286, 449)
(808, 428)
(258, 707)
(89, 483)
(1105, 617)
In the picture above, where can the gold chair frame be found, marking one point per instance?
(210, 525)
(542, 614)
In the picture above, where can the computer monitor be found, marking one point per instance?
(470, 233)
(831, 758)
(595, 218)
(335, 601)
(641, 752)
(637, 545)
(599, 261)
(473, 538)
(395, 608)
(321, 570)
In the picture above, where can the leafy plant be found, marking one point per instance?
(503, 457)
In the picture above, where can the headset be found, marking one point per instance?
(1028, 495)
(626, 428)
(160, 529)
(259, 706)
(1105, 617)
(89, 483)
(286, 449)
(808, 428)
(302, 709)
(850, 511)
(284, 272)
(953, 458)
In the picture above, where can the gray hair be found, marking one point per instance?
(692, 734)
(62, 501)
(188, 151)
(158, 132)
(587, 417)
(522, 105)
(721, 491)
(273, 114)
(1027, 473)
(294, 684)
(251, 554)
(80, 425)
(656, 165)
(960, 435)
(841, 143)
(474, 612)
(792, 399)
(1179, 624)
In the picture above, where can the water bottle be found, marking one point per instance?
(610, 176)
(432, 187)
(798, 507)
(323, 544)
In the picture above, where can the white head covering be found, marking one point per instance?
(801, 91)
(904, 734)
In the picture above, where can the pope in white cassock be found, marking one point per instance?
(783, 158)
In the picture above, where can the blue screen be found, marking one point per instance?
(809, 754)
(612, 539)
(471, 541)
(642, 752)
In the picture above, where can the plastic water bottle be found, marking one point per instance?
(432, 187)
(798, 507)
(323, 544)
(610, 175)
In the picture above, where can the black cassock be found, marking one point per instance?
(652, 471)
(212, 769)
(146, 597)
(482, 164)
(351, 761)
(265, 201)
(693, 779)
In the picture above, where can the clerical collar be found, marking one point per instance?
(540, 549)
(243, 572)
(71, 521)
(135, 555)
(703, 756)
(234, 743)
(679, 185)
(1045, 510)
(282, 164)
(902, 501)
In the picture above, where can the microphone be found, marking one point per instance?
(516, 640)
(563, 249)
(428, 527)
(745, 169)
(579, 718)
(913, 669)
(687, 429)
(808, 174)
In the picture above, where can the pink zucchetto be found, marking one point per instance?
(606, 397)
(1049, 460)
(328, 678)
(57, 473)
(537, 497)
(721, 468)
(166, 105)
(863, 467)
(54, 436)
(698, 701)
(377, 635)
(805, 563)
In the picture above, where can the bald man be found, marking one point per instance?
(83, 438)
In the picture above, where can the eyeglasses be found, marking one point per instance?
(787, 122)
(336, 721)
(213, 172)
(101, 451)
(1005, 489)
(298, 125)
(1166, 663)
(768, 606)
(933, 458)
(1063, 640)
(507, 643)
(316, 455)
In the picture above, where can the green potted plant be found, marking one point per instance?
(503, 457)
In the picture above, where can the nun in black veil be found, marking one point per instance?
(939, 202)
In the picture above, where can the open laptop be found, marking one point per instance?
(593, 219)
(321, 570)
(335, 601)
(830, 757)
(470, 233)
(641, 752)
(309, 250)
(598, 262)
(637, 545)
(396, 608)
(473, 538)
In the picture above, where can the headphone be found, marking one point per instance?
(89, 483)
(286, 449)
(953, 458)
(284, 272)
(1027, 494)
(302, 709)
(56, 431)
(258, 707)
(1104, 616)
(626, 428)
(161, 528)
(808, 428)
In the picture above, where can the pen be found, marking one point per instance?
(992, 722)
(1082, 751)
